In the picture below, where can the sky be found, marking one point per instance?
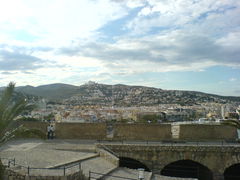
(168, 44)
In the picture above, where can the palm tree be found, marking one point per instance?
(11, 107)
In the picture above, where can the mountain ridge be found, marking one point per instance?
(120, 94)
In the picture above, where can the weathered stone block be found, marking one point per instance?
(63, 178)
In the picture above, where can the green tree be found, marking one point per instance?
(10, 108)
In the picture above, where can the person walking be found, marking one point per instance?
(52, 131)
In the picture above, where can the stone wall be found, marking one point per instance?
(207, 132)
(42, 126)
(142, 131)
(151, 132)
(80, 131)
(108, 156)
(216, 158)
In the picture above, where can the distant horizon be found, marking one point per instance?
(122, 84)
(171, 44)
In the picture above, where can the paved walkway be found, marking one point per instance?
(44, 154)
(127, 173)
(39, 154)
(159, 177)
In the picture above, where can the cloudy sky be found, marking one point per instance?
(169, 44)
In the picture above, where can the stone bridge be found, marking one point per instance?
(207, 162)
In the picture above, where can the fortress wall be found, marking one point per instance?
(42, 126)
(80, 131)
(142, 131)
(207, 132)
(137, 131)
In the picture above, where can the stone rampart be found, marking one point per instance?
(142, 132)
(207, 132)
(80, 131)
(138, 131)
(42, 126)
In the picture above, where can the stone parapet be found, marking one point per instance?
(207, 132)
(108, 156)
(141, 131)
(80, 130)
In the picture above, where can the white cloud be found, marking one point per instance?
(173, 51)
(178, 13)
(231, 40)
(58, 22)
(233, 79)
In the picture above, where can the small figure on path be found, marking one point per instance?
(52, 131)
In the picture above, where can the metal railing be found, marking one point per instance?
(172, 142)
(54, 171)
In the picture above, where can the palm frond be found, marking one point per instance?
(5, 98)
(11, 108)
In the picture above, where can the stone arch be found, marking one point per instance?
(132, 163)
(232, 172)
(187, 169)
(192, 156)
(232, 160)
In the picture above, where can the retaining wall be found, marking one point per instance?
(108, 156)
(138, 131)
(142, 131)
(80, 130)
(42, 126)
(207, 132)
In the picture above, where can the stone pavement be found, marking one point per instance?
(160, 177)
(98, 165)
(133, 174)
(44, 154)
(127, 173)
(54, 153)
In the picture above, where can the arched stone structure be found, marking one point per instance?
(216, 158)
(187, 169)
(232, 172)
(132, 163)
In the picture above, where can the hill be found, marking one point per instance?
(121, 95)
(51, 91)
